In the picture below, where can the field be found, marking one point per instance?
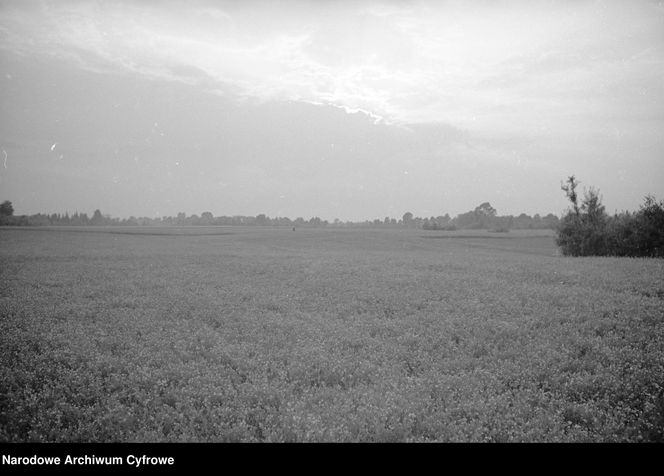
(266, 334)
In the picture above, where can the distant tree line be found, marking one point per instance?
(587, 230)
(181, 219)
(485, 217)
(482, 217)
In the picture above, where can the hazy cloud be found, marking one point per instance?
(471, 65)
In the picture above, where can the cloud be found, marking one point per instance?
(499, 67)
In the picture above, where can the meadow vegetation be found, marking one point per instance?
(265, 334)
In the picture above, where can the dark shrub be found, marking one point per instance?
(582, 232)
(621, 236)
(586, 230)
(649, 228)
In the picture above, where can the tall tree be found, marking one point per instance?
(6, 209)
(97, 218)
(570, 191)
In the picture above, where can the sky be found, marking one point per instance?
(338, 109)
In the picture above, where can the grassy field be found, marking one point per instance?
(259, 334)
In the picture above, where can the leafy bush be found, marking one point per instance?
(587, 230)
(640, 233)
(650, 228)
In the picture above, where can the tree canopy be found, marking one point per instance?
(6, 209)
